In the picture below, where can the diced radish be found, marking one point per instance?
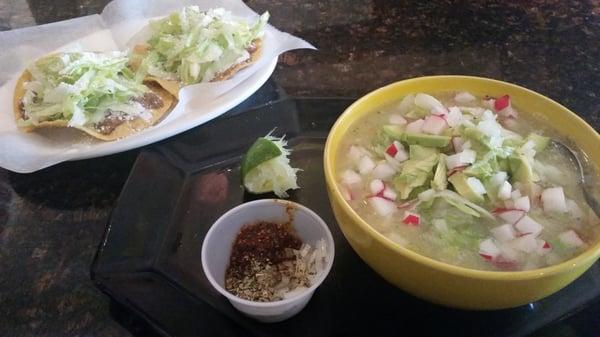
(366, 165)
(382, 206)
(383, 170)
(454, 116)
(511, 216)
(355, 152)
(508, 113)
(397, 120)
(489, 102)
(464, 97)
(490, 128)
(504, 191)
(391, 150)
(501, 102)
(553, 199)
(434, 125)
(504, 232)
(415, 126)
(528, 226)
(498, 178)
(522, 203)
(543, 247)
(525, 243)
(462, 158)
(346, 193)
(488, 249)
(570, 238)
(509, 204)
(389, 194)
(515, 194)
(349, 178)
(427, 102)
(376, 186)
(574, 209)
(457, 143)
(476, 185)
(401, 154)
(391, 161)
(456, 169)
(426, 195)
(406, 104)
(509, 123)
(411, 218)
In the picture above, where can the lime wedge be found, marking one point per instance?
(261, 151)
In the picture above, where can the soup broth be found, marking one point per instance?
(466, 180)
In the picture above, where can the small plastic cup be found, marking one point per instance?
(218, 242)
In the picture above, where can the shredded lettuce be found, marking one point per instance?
(79, 87)
(194, 46)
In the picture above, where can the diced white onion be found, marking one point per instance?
(397, 120)
(464, 97)
(382, 206)
(570, 238)
(504, 191)
(427, 102)
(553, 199)
(476, 185)
(504, 232)
(529, 226)
(376, 186)
(383, 170)
(488, 247)
(434, 125)
(366, 165)
(349, 177)
(415, 126)
(523, 203)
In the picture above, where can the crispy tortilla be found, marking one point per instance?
(173, 86)
(124, 129)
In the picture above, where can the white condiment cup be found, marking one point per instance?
(216, 251)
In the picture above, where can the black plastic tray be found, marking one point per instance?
(149, 261)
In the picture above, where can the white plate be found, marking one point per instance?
(66, 144)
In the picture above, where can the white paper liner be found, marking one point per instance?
(120, 25)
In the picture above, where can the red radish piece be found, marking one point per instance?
(570, 238)
(389, 194)
(543, 247)
(434, 125)
(464, 97)
(366, 165)
(504, 191)
(511, 215)
(488, 249)
(392, 150)
(502, 102)
(525, 243)
(382, 206)
(504, 263)
(428, 102)
(383, 170)
(454, 117)
(376, 186)
(553, 199)
(415, 126)
(350, 178)
(515, 194)
(411, 218)
(527, 225)
(504, 232)
(397, 120)
(523, 203)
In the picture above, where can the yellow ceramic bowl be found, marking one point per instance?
(433, 280)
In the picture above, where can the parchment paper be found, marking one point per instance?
(121, 24)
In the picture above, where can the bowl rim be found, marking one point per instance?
(259, 203)
(588, 256)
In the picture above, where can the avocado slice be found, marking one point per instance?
(521, 169)
(459, 181)
(412, 138)
(414, 173)
(419, 152)
(440, 182)
(540, 141)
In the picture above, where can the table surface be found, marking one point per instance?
(51, 222)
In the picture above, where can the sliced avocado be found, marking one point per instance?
(540, 141)
(462, 207)
(521, 170)
(440, 182)
(393, 131)
(419, 152)
(414, 173)
(412, 138)
(426, 140)
(484, 167)
(459, 181)
(478, 139)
